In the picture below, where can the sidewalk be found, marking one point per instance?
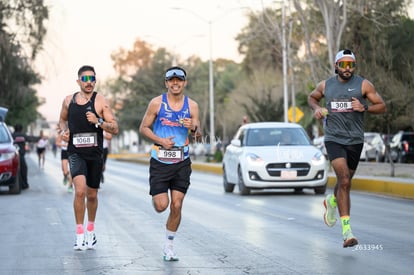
(393, 186)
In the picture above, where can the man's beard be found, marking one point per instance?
(345, 77)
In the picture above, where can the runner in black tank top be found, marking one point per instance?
(82, 131)
(83, 117)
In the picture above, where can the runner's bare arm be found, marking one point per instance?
(377, 103)
(313, 100)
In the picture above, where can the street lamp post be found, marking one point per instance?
(210, 73)
(211, 86)
(284, 53)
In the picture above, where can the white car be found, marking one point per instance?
(374, 147)
(268, 155)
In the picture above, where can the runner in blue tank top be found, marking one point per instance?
(346, 98)
(168, 121)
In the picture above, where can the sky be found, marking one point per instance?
(87, 32)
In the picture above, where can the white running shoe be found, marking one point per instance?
(90, 239)
(80, 242)
(169, 254)
(349, 239)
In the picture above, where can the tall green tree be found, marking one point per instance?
(22, 32)
(381, 37)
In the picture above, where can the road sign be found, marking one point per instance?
(298, 114)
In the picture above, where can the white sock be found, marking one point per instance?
(170, 235)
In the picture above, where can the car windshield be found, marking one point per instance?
(276, 136)
(4, 135)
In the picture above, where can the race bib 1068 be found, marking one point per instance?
(85, 140)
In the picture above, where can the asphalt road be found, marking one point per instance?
(266, 233)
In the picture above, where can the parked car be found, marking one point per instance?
(268, 155)
(402, 147)
(374, 147)
(9, 157)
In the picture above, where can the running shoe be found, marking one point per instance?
(330, 212)
(70, 189)
(80, 242)
(169, 254)
(90, 239)
(349, 239)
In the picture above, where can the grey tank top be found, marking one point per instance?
(343, 125)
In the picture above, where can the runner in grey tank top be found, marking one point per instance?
(347, 96)
(343, 125)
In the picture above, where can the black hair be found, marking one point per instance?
(176, 68)
(85, 68)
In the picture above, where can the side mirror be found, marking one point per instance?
(236, 142)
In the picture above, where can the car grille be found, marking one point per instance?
(275, 169)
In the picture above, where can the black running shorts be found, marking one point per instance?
(174, 176)
(90, 168)
(352, 153)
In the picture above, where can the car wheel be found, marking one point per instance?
(228, 187)
(320, 190)
(15, 188)
(242, 188)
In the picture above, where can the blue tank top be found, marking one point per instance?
(343, 125)
(170, 123)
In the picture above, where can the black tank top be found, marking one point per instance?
(85, 139)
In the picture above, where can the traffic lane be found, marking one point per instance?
(33, 223)
(266, 233)
(290, 226)
(276, 219)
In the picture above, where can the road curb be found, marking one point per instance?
(398, 187)
(394, 187)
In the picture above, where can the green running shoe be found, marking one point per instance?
(330, 212)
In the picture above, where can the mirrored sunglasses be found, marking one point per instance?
(86, 78)
(345, 64)
(175, 73)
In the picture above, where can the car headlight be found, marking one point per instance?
(253, 158)
(318, 158)
(6, 156)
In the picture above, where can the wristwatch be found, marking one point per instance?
(100, 122)
(365, 107)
